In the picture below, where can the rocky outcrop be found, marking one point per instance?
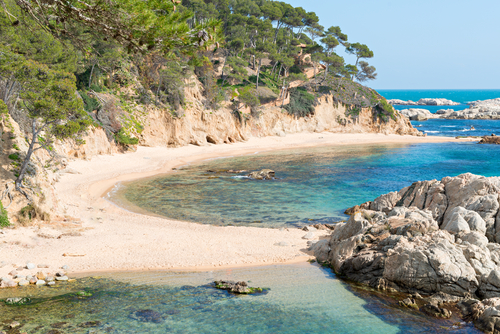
(424, 102)
(493, 139)
(432, 236)
(264, 174)
(418, 114)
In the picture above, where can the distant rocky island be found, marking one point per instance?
(435, 240)
(424, 102)
(487, 109)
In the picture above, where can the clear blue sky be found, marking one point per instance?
(424, 44)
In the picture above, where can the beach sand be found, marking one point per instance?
(99, 236)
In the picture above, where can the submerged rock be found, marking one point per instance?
(237, 287)
(265, 174)
(147, 316)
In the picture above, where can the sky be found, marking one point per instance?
(424, 44)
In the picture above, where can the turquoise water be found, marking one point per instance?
(450, 128)
(302, 298)
(313, 185)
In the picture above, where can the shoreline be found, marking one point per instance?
(111, 238)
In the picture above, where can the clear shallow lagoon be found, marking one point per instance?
(313, 185)
(303, 298)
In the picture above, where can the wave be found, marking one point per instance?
(240, 177)
(448, 126)
(432, 131)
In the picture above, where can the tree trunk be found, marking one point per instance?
(258, 72)
(279, 72)
(26, 160)
(326, 70)
(91, 71)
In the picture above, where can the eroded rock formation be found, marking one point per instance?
(432, 236)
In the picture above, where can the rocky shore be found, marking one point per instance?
(424, 102)
(436, 240)
(487, 109)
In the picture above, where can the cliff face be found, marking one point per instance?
(200, 126)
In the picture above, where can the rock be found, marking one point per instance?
(61, 278)
(30, 266)
(309, 236)
(33, 280)
(14, 324)
(23, 282)
(41, 275)
(321, 249)
(309, 228)
(425, 102)
(13, 273)
(237, 287)
(490, 140)
(42, 266)
(434, 310)
(282, 244)
(65, 267)
(265, 174)
(409, 302)
(40, 282)
(61, 273)
(17, 301)
(50, 278)
(8, 284)
(51, 283)
(147, 316)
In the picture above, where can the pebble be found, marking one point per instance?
(49, 278)
(19, 268)
(33, 280)
(13, 273)
(308, 236)
(3, 264)
(51, 283)
(41, 282)
(14, 324)
(30, 266)
(60, 273)
(65, 267)
(62, 278)
(40, 275)
(23, 282)
(282, 244)
(43, 266)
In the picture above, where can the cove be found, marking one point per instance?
(313, 185)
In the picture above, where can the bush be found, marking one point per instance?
(122, 138)
(301, 102)
(4, 218)
(14, 156)
(90, 104)
(30, 212)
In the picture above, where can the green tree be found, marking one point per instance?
(136, 24)
(365, 72)
(49, 99)
(360, 51)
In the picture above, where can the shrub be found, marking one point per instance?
(30, 212)
(4, 218)
(14, 156)
(89, 103)
(301, 102)
(124, 139)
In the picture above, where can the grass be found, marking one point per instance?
(4, 217)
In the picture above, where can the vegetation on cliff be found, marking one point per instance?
(65, 66)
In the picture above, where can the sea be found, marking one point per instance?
(313, 185)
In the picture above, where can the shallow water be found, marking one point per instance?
(303, 298)
(314, 184)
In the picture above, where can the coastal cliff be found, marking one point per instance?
(193, 124)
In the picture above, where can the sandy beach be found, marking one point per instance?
(99, 236)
